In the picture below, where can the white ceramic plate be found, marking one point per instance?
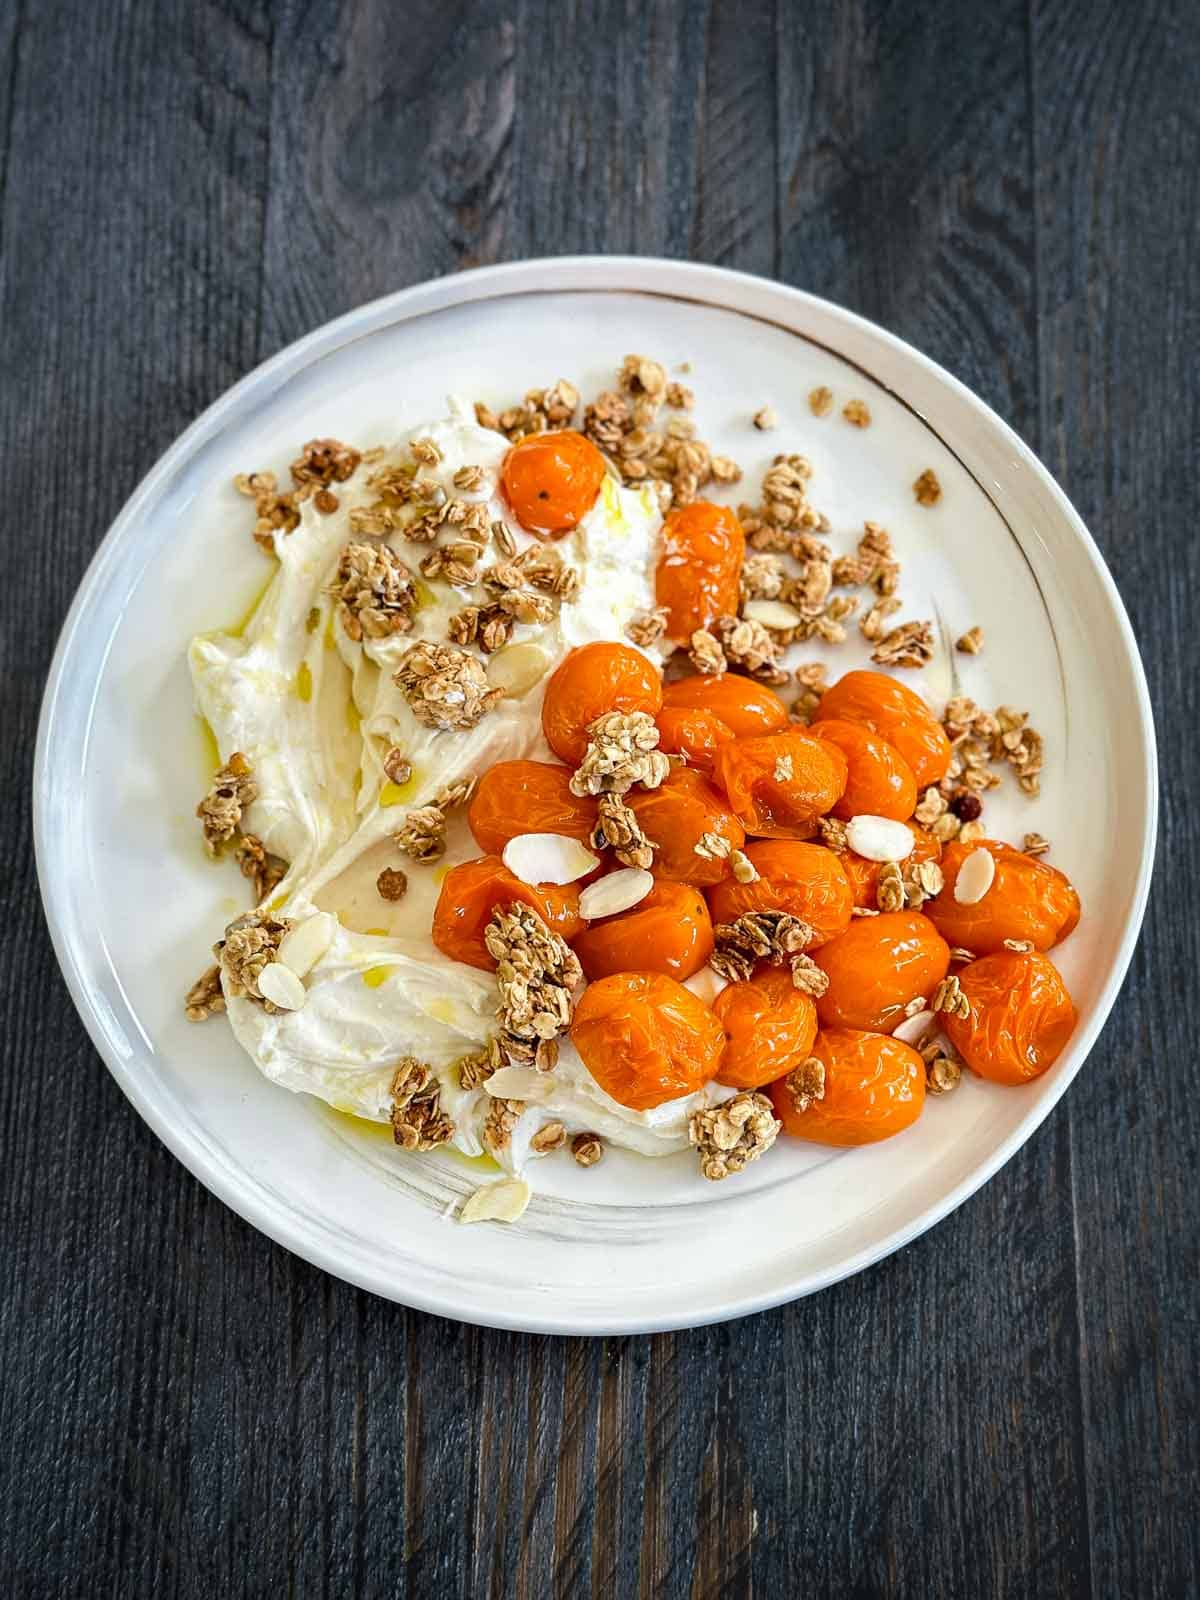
(132, 905)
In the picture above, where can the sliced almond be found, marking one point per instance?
(517, 668)
(548, 858)
(879, 838)
(520, 1083)
(974, 877)
(706, 984)
(281, 986)
(617, 892)
(307, 943)
(497, 1202)
(772, 614)
(912, 1028)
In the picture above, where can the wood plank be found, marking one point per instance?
(1119, 283)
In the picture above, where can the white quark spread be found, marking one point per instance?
(314, 712)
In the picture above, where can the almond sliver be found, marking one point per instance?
(879, 838)
(497, 1202)
(772, 614)
(520, 1083)
(308, 941)
(912, 1028)
(548, 858)
(616, 892)
(281, 986)
(974, 877)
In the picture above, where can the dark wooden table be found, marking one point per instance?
(1009, 1406)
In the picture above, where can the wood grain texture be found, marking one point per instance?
(1008, 1407)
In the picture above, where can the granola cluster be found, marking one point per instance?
(647, 628)
(730, 1136)
(806, 1083)
(422, 834)
(526, 588)
(622, 750)
(265, 871)
(772, 936)
(205, 998)
(418, 1120)
(626, 424)
(542, 411)
(374, 592)
(445, 686)
(537, 974)
(220, 812)
(321, 462)
(618, 829)
(251, 943)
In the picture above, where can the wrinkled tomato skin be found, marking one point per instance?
(646, 1039)
(516, 797)
(1028, 899)
(879, 782)
(696, 735)
(806, 880)
(897, 714)
(745, 707)
(874, 1089)
(770, 1026)
(1021, 1016)
(784, 807)
(551, 481)
(877, 966)
(591, 681)
(699, 568)
(473, 891)
(863, 875)
(673, 817)
(670, 931)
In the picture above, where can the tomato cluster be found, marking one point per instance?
(750, 789)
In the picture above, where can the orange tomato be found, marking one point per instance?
(874, 1088)
(673, 817)
(770, 1025)
(879, 782)
(551, 481)
(864, 875)
(877, 966)
(516, 797)
(1021, 1016)
(473, 891)
(669, 931)
(698, 735)
(1028, 899)
(745, 707)
(589, 682)
(646, 1039)
(779, 784)
(806, 880)
(897, 714)
(700, 568)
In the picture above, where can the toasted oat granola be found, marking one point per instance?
(537, 974)
(265, 871)
(927, 488)
(750, 648)
(374, 592)
(542, 411)
(911, 644)
(889, 887)
(948, 997)
(858, 413)
(418, 1120)
(622, 750)
(501, 1120)
(587, 1148)
(446, 687)
(618, 829)
(251, 943)
(943, 1068)
(205, 998)
(422, 834)
(762, 576)
(220, 812)
(477, 1067)
(646, 628)
(705, 654)
(806, 1083)
(391, 884)
(730, 1136)
(971, 642)
(820, 401)
(772, 936)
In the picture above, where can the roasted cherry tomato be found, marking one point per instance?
(877, 966)
(804, 879)
(551, 481)
(864, 875)
(593, 680)
(1028, 899)
(879, 782)
(874, 1088)
(700, 568)
(697, 735)
(1021, 1016)
(745, 707)
(516, 797)
(669, 931)
(897, 714)
(646, 1039)
(471, 894)
(778, 785)
(770, 1025)
(673, 817)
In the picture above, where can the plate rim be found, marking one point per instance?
(541, 275)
